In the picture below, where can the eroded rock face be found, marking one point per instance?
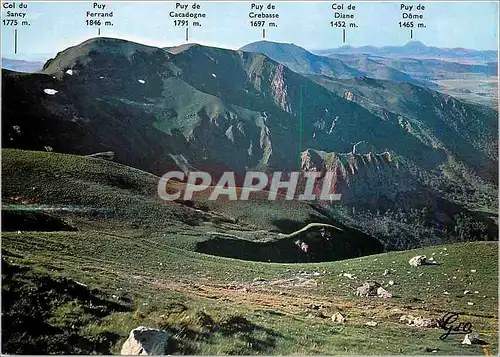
(280, 90)
(144, 341)
(358, 177)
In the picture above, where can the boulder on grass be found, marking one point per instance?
(144, 341)
(368, 288)
(417, 260)
(338, 318)
(382, 293)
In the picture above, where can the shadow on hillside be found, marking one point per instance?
(318, 244)
(14, 220)
(242, 336)
(43, 315)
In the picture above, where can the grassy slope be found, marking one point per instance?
(137, 278)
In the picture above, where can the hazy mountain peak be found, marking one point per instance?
(266, 46)
(301, 60)
(415, 44)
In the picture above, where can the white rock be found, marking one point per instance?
(141, 81)
(213, 75)
(476, 292)
(50, 91)
(338, 318)
(382, 293)
(473, 270)
(385, 272)
(350, 276)
(466, 292)
(446, 293)
(144, 341)
(471, 338)
(418, 321)
(70, 72)
(391, 282)
(470, 303)
(371, 323)
(417, 260)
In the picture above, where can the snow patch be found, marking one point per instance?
(50, 91)
(213, 75)
(141, 81)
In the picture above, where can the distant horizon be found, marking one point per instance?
(55, 26)
(42, 57)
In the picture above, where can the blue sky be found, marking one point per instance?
(58, 25)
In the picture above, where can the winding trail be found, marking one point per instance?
(281, 235)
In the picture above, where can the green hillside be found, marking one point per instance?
(101, 255)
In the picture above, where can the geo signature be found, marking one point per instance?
(446, 323)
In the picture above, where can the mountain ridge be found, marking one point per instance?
(300, 60)
(221, 110)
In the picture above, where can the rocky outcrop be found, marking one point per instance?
(279, 88)
(144, 341)
(359, 176)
